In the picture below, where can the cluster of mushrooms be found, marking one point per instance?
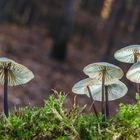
(12, 74)
(103, 82)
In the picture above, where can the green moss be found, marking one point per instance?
(54, 122)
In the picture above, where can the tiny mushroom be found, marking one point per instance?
(82, 87)
(133, 74)
(103, 73)
(12, 74)
(129, 54)
(114, 91)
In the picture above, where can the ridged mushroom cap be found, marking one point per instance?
(115, 91)
(95, 70)
(133, 74)
(81, 86)
(126, 54)
(17, 73)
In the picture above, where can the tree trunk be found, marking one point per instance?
(62, 30)
(117, 17)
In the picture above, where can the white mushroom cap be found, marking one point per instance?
(17, 73)
(133, 73)
(115, 91)
(95, 70)
(81, 86)
(126, 54)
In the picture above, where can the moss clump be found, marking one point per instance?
(54, 122)
(50, 122)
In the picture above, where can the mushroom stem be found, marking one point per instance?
(103, 86)
(135, 60)
(106, 102)
(138, 88)
(6, 92)
(135, 57)
(92, 100)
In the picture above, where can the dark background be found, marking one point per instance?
(57, 39)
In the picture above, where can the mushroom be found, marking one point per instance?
(114, 91)
(82, 87)
(12, 74)
(133, 73)
(129, 54)
(103, 73)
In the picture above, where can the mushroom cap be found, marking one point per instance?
(17, 73)
(115, 91)
(133, 74)
(126, 54)
(95, 70)
(81, 86)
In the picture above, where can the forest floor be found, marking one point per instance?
(31, 47)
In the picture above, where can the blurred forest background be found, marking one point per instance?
(57, 39)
